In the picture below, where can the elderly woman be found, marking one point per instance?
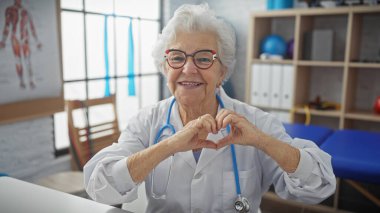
(200, 150)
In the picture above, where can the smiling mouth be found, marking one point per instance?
(189, 84)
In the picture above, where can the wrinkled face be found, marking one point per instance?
(191, 84)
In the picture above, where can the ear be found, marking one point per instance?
(164, 69)
(223, 74)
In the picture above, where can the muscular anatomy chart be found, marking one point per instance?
(30, 66)
(19, 23)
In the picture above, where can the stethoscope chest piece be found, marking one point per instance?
(241, 204)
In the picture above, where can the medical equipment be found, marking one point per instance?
(241, 204)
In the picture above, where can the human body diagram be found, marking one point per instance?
(19, 25)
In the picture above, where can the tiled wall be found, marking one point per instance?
(26, 147)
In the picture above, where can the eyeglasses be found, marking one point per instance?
(203, 59)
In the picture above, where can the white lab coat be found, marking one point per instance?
(209, 185)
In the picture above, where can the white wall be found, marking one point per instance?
(237, 14)
(26, 148)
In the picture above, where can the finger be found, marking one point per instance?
(229, 119)
(212, 123)
(235, 120)
(224, 141)
(207, 122)
(220, 116)
(205, 125)
(207, 144)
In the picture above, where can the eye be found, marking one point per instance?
(203, 60)
(177, 59)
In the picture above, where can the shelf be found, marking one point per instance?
(272, 61)
(321, 63)
(344, 80)
(271, 108)
(314, 12)
(325, 113)
(364, 65)
(363, 115)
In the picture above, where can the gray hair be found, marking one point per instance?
(197, 18)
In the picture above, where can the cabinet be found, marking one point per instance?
(350, 78)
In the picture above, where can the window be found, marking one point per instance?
(84, 50)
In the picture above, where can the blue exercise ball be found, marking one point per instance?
(273, 45)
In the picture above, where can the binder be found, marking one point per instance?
(265, 86)
(255, 84)
(287, 87)
(276, 85)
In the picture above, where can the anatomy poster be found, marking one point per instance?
(30, 66)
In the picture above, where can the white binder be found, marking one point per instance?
(276, 86)
(255, 84)
(287, 87)
(265, 86)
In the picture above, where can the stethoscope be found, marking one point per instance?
(241, 203)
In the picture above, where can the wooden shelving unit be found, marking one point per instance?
(321, 63)
(347, 73)
(272, 61)
(324, 113)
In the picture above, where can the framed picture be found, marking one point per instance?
(30, 59)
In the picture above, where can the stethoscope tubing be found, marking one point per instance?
(228, 128)
(233, 153)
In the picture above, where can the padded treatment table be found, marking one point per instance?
(317, 134)
(355, 154)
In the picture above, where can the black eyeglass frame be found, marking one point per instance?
(214, 57)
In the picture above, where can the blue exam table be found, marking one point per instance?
(355, 154)
(317, 134)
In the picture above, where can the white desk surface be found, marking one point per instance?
(19, 196)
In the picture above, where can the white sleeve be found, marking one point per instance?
(312, 182)
(107, 178)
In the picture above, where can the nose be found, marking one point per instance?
(189, 66)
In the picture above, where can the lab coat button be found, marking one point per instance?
(197, 176)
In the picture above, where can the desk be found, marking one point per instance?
(20, 196)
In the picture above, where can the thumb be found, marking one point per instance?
(224, 141)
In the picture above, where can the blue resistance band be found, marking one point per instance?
(107, 91)
(131, 62)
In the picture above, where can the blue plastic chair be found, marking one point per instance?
(3, 174)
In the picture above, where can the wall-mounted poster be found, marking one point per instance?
(30, 59)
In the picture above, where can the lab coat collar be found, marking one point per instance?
(207, 155)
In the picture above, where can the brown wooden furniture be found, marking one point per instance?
(352, 78)
(87, 134)
(347, 74)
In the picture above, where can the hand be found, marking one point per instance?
(194, 134)
(242, 132)
(2, 44)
